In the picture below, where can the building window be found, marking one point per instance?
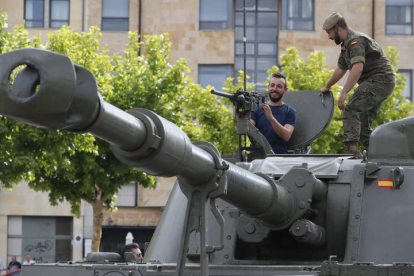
(34, 13)
(46, 239)
(59, 13)
(408, 91)
(113, 238)
(215, 14)
(115, 15)
(214, 75)
(128, 195)
(261, 39)
(399, 17)
(298, 15)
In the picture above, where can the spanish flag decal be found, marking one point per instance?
(385, 183)
(354, 42)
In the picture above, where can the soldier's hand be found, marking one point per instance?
(341, 101)
(323, 90)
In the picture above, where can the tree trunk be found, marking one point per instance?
(97, 206)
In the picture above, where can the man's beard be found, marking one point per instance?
(337, 38)
(275, 99)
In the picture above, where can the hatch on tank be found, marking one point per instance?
(314, 114)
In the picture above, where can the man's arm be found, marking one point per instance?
(353, 77)
(336, 76)
(252, 117)
(284, 132)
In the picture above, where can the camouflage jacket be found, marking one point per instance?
(359, 47)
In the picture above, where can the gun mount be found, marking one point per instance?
(283, 215)
(244, 103)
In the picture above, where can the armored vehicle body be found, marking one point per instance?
(295, 214)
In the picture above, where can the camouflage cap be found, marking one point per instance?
(331, 21)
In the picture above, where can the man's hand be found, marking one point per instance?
(323, 90)
(341, 101)
(283, 131)
(353, 78)
(267, 111)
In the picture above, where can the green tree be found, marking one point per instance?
(75, 167)
(313, 73)
(396, 106)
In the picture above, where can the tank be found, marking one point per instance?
(293, 214)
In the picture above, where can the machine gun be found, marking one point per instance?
(244, 103)
(301, 215)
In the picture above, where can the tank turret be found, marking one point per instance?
(290, 214)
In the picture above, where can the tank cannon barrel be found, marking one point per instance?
(52, 93)
(67, 98)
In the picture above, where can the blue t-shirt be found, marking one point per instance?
(285, 115)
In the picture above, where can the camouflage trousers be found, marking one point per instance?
(363, 107)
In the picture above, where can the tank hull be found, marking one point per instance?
(129, 269)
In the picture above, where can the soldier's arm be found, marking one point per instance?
(353, 77)
(357, 54)
(336, 76)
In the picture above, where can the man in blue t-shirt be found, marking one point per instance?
(275, 119)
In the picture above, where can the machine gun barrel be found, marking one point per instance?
(68, 99)
(232, 97)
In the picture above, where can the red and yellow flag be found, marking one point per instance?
(385, 183)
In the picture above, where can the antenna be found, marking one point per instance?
(244, 45)
(244, 64)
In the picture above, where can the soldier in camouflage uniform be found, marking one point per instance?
(370, 68)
